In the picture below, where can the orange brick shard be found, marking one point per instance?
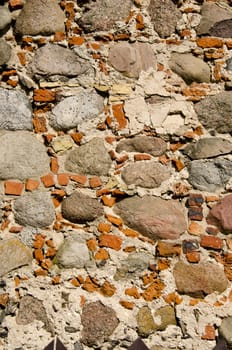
(110, 241)
(48, 180)
(14, 188)
(119, 115)
(44, 95)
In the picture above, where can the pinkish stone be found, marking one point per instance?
(220, 215)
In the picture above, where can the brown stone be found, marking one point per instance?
(168, 249)
(220, 215)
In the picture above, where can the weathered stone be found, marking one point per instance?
(145, 174)
(15, 110)
(199, 280)
(22, 156)
(211, 14)
(62, 143)
(72, 254)
(208, 147)
(164, 16)
(222, 29)
(153, 217)
(30, 309)
(55, 60)
(134, 264)
(131, 59)
(190, 68)
(225, 330)
(220, 215)
(5, 18)
(101, 15)
(5, 52)
(214, 112)
(13, 255)
(164, 317)
(40, 17)
(74, 110)
(98, 321)
(145, 322)
(34, 209)
(209, 175)
(143, 144)
(91, 158)
(81, 208)
(229, 64)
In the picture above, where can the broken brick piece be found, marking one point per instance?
(44, 95)
(14, 188)
(48, 180)
(31, 184)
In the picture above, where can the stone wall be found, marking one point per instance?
(115, 173)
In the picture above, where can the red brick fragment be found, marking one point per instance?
(193, 257)
(48, 180)
(13, 188)
(77, 137)
(110, 241)
(54, 166)
(44, 95)
(15, 4)
(59, 36)
(211, 242)
(81, 179)
(205, 42)
(142, 156)
(209, 333)
(22, 58)
(63, 179)
(31, 184)
(76, 40)
(119, 115)
(95, 182)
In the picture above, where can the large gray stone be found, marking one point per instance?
(22, 156)
(92, 158)
(222, 29)
(5, 18)
(215, 112)
(39, 17)
(143, 144)
(220, 215)
(15, 110)
(145, 322)
(208, 147)
(74, 110)
(13, 255)
(131, 59)
(81, 208)
(101, 15)
(225, 330)
(209, 175)
(164, 16)
(145, 174)
(199, 280)
(190, 68)
(153, 217)
(53, 59)
(5, 52)
(133, 265)
(72, 254)
(34, 209)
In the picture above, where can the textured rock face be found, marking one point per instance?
(98, 321)
(91, 158)
(131, 59)
(164, 16)
(81, 208)
(72, 254)
(15, 160)
(13, 255)
(101, 15)
(220, 215)
(214, 112)
(199, 280)
(211, 15)
(40, 17)
(5, 18)
(190, 68)
(143, 144)
(145, 322)
(153, 217)
(5, 52)
(208, 147)
(74, 110)
(165, 316)
(209, 175)
(35, 209)
(222, 29)
(15, 110)
(225, 330)
(145, 174)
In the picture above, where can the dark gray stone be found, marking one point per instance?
(5, 52)
(98, 321)
(215, 112)
(209, 175)
(91, 158)
(15, 110)
(39, 17)
(143, 144)
(81, 208)
(72, 254)
(222, 29)
(208, 147)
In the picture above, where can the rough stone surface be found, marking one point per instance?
(5, 18)
(101, 15)
(225, 330)
(5, 52)
(208, 147)
(199, 280)
(74, 110)
(220, 215)
(229, 64)
(98, 321)
(214, 112)
(13, 255)
(143, 144)
(153, 217)
(209, 175)
(35, 209)
(145, 322)
(211, 14)
(40, 17)
(145, 174)
(15, 110)
(133, 265)
(72, 254)
(53, 59)
(164, 317)
(164, 16)
(81, 208)
(222, 29)
(15, 160)
(131, 59)
(190, 68)
(91, 158)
